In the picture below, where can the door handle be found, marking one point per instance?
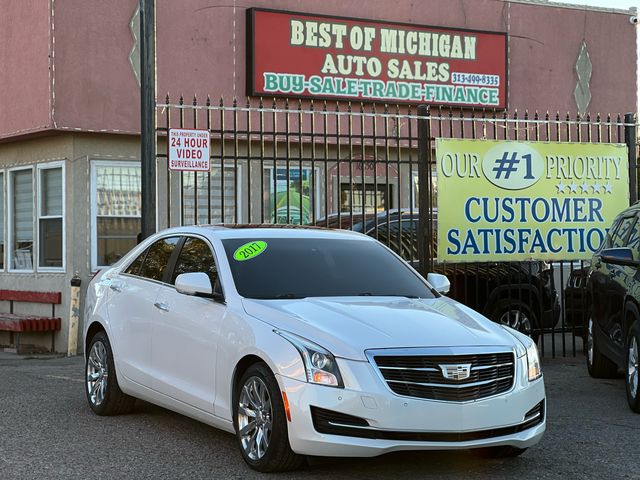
(116, 287)
(161, 306)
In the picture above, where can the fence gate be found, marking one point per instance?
(372, 169)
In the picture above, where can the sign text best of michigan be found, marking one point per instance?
(343, 58)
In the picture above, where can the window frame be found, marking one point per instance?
(184, 238)
(11, 222)
(93, 211)
(39, 187)
(3, 237)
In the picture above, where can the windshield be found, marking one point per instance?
(279, 268)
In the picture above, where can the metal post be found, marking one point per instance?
(630, 140)
(147, 115)
(74, 316)
(424, 177)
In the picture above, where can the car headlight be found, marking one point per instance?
(319, 364)
(526, 346)
(533, 362)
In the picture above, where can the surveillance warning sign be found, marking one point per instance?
(189, 150)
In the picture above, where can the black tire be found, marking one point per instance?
(598, 365)
(277, 456)
(504, 451)
(517, 315)
(631, 370)
(101, 382)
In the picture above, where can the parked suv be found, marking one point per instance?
(613, 327)
(518, 294)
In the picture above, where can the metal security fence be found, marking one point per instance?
(371, 169)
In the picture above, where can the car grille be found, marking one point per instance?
(421, 376)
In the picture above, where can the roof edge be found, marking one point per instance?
(575, 6)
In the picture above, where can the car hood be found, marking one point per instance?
(347, 326)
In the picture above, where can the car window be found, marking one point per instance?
(158, 257)
(136, 265)
(401, 237)
(607, 239)
(280, 268)
(634, 240)
(619, 237)
(195, 256)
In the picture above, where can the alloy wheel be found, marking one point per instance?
(255, 417)
(97, 373)
(516, 319)
(632, 367)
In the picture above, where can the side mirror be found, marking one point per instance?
(618, 256)
(194, 284)
(439, 282)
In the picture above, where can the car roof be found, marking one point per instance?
(253, 231)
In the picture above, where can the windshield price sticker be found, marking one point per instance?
(249, 250)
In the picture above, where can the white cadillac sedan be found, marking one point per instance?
(303, 342)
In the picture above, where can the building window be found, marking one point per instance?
(21, 219)
(1, 220)
(51, 216)
(116, 209)
(293, 195)
(373, 199)
(212, 191)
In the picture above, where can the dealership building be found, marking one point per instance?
(70, 181)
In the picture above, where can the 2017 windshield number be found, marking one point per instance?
(248, 250)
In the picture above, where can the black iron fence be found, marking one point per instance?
(372, 169)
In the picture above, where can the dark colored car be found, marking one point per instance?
(518, 294)
(576, 301)
(614, 288)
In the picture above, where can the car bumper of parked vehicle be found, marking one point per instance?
(366, 418)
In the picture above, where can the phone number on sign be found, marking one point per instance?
(475, 79)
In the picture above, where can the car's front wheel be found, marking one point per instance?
(261, 423)
(598, 365)
(103, 392)
(517, 315)
(631, 371)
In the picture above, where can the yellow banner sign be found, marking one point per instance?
(509, 200)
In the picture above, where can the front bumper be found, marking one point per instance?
(404, 423)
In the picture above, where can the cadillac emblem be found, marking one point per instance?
(456, 372)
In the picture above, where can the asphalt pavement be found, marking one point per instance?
(47, 431)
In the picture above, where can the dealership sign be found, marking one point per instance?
(508, 200)
(311, 56)
(188, 150)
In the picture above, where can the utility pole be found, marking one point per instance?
(148, 115)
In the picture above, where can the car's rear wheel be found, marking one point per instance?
(261, 423)
(631, 371)
(598, 365)
(103, 392)
(517, 315)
